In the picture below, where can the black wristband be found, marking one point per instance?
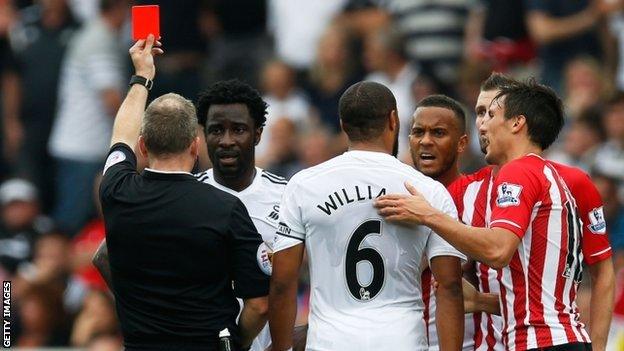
(147, 83)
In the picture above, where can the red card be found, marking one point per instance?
(145, 21)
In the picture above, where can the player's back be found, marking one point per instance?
(365, 286)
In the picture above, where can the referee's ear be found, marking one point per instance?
(195, 147)
(142, 147)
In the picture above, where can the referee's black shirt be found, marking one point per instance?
(175, 245)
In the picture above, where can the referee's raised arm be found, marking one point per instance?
(128, 119)
(175, 245)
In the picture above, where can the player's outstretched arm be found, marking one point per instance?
(447, 271)
(100, 261)
(128, 120)
(601, 303)
(492, 246)
(283, 296)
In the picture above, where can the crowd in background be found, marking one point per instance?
(64, 69)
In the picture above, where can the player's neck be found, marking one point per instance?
(518, 150)
(449, 176)
(238, 183)
(368, 146)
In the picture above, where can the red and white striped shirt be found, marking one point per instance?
(538, 288)
(461, 191)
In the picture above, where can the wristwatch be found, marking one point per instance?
(147, 83)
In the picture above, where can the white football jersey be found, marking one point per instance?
(364, 272)
(262, 199)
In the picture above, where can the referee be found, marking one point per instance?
(182, 299)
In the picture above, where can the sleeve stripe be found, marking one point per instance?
(273, 180)
(290, 236)
(601, 252)
(505, 221)
(274, 176)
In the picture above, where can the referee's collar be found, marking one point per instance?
(167, 175)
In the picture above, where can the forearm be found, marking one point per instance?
(450, 317)
(545, 29)
(101, 262)
(601, 305)
(488, 303)
(482, 244)
(282, 314)
(128, 120)
(251, 323)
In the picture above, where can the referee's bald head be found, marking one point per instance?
(169, 125)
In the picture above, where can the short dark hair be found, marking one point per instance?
(448, 103)
(364, 108)
(541, 107)
(232, 92)
(497, 81)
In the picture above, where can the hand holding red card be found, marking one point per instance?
(145, 21)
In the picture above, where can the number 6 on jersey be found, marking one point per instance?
(355, 254)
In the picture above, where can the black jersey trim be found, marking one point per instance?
(274, 181)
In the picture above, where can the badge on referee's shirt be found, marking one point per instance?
(114, 158)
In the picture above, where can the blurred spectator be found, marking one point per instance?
(38, 40)
(314, 148)
(97, 317)
(563, 30)
(105, 343)
(586, 85)
(386, 59)
(179, 70)
(580, 142)
(84, 10)
(86, 243)
(610, 157)
(496, 32)
(613, 209)
(285, 100)
(242, 45)
(21, 223)
(43, 322)
(616, 26)
(51, 265)
(282, 149)
(92, 81)
(297, 27)
(434, 32)
(331, 74)
(9, 126)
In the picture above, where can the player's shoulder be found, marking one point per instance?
(573, 176)
(271, 180)
(530, 165)
(205, 176)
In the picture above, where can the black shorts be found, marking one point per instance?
(575, 346)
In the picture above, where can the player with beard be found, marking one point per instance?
(538, 281)
(437, 137)
(233, 115)
(595, 244)
(364, 271)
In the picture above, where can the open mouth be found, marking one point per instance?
(426, 158)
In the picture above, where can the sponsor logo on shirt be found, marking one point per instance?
(597, 224)
(508, 195)
(264, 256)
(114, 158)
(274, 214)
(283, 229)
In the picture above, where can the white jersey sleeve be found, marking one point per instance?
(436, 246)
(290, 230)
